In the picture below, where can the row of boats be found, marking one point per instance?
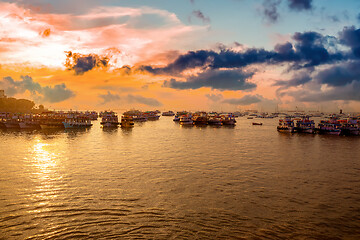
(333, 126)
(204, 118)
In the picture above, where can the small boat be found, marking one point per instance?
(256, 123)
(286, 125)
(351, 127)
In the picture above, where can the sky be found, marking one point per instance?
(229, 55)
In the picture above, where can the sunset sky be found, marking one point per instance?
(208, 55)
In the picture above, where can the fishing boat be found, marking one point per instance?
(286, 125)
(256, 123)
(127, 122)
(305, 125)
(109, 120)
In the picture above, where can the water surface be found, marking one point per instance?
(160, 180)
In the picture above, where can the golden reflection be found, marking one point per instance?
(45, 174)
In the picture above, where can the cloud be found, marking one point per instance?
(82, 63)
(58, 93)
(350, 36)
(270, 10)
(215, 79)
(349, 92)
(298, 79)
(308, 50)
(143, 100)
(39, 37)
(246, 100)
(340, 75)
(299, 5)
(214, 97)
(198, 14)
(109, 97)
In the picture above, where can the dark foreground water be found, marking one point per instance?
(163, 181)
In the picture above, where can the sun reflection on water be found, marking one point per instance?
(45, 173)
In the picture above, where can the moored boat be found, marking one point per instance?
(331, 127)
(109, 120)
(168, 113)
(286, 125)
(186, 120)
(127, 122)
(305, 125)
(228, 119)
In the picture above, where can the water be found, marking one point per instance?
(163, 181)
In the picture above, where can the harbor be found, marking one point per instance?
(163, 180)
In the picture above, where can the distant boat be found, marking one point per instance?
(168, 113)
(109, 120)
(256, 123)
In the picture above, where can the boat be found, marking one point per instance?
(137, 115)
(256, 123)
(77, 120)
(286, 125)
(151, 115)
(29, 121)
(178, 115)
(331, 126)
(228, 119)
(52, 120)
(168, 113)
(186, 120)
(127, 122)
(109, 120)
(351, 127)
(214, 119)
(200, 118)
(305, 125)
(12, 122)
